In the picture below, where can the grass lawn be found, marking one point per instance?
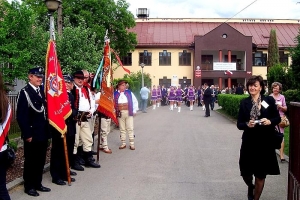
(286, 140)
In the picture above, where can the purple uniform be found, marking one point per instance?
(153, 95)
(158, 93)
(191, 95)
(179, 95)
(172, 95)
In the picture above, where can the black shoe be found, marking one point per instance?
(43, 189)
(77, 167)
(94, 152)
(92, 164)
(32, 192)
(72, 180)
(80, 161)
(206, 115)
(72, 173)
(59, 182)
(282, 160)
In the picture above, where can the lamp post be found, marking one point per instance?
(52, 6)
(142, 66)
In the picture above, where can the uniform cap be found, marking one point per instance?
(37, 71)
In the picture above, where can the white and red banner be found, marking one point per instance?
(4, 127)
(56, 93)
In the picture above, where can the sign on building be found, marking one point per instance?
(224, 66)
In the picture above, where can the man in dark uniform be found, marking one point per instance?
(207, 99)
(58, 161)
(164, 94)
(33, 122)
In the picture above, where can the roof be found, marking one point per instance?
(181, 33)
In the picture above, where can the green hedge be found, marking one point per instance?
(231, 103)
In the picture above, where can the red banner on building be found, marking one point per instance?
(56, 93)
(198, 73)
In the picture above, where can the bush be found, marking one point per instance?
(13, 145)
(292, 96)
(231, 103)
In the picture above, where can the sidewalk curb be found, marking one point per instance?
(19, 181)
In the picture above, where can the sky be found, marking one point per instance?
(262, 9)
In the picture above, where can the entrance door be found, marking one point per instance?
(208, 81)
(165, 81)
(185, 82)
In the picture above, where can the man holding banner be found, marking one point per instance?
(59, 109)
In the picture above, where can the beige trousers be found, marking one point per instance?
(126, 126)
(83, 137)
(105, 129)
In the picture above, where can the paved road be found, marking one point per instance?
(181, 156)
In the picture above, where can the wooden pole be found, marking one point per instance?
(67, 159)
(99, 137)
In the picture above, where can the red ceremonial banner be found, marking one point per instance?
(106, 102)
(58, 103)
(198, 73)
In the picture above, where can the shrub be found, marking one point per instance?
(231, 103)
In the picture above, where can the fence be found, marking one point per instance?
(14, 127)
(294, 157)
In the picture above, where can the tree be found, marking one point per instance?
(277, 73)
(295, 67)
(99, 16)
(273, 52)
(78, 49)
(16, 33)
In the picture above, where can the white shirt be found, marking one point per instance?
(84, 104)
(123, 99)
(35, 88)
(97, 97)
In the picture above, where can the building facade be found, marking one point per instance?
(216, 51)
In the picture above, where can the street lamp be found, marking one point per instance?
(52, 6)
(142, 66)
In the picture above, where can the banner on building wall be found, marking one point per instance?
(224, 66)
(198, 73)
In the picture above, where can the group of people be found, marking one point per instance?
(36, 131)
(174, 96)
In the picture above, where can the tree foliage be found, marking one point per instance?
(78, 49)
(273, 52)
(295, 67)
(16, 39)
(99, 16)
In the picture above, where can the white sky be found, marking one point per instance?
(269, 9)
(274, 9)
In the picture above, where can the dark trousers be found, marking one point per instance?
(35, 158)
(212, 102)
(207, 111)
(164, 101)
(3, 166)
(58, 162)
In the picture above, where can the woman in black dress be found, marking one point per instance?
(258, 116)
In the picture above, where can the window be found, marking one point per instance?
(164, 58)
(207, 62)
(184, 58)
(283, 58)
(127, 60)
(259, 59)
(146, 58)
